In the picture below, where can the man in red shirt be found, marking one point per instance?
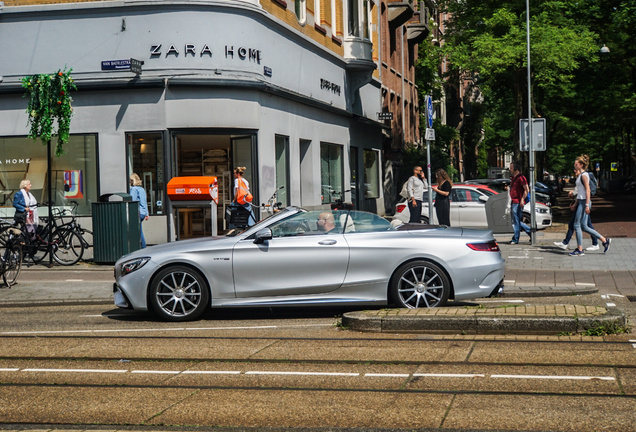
(518, 194)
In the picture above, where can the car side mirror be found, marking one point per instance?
(263, 235)
(483, 198)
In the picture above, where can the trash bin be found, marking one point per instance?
(498, 221)
(116, 228)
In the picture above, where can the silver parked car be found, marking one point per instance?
(299, 257)
(467, 208)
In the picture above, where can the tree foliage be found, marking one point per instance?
(589, 101)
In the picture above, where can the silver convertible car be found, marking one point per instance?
(297, 257)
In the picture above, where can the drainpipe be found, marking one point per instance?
(402, 65)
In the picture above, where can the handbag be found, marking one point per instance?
(243, 196)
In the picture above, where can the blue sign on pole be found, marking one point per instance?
(429, 111)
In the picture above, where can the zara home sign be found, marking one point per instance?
(242, 53)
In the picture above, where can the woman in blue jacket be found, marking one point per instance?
(139, 194)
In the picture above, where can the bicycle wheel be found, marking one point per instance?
(87, 237)
(68, 247)
(12, 264)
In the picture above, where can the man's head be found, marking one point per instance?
(515, 168)
(326, 221)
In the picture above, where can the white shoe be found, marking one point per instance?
(592, 248)
(562, 245)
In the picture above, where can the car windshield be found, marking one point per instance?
(237, 231)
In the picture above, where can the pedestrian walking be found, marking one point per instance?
(442, 199)
(242, 195)
(415, 188)
(583, 207)
(518, 194)
(139, 194)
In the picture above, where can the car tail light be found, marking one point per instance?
(400, 208)
(490, 246)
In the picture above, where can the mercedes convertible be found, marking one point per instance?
(303, 258)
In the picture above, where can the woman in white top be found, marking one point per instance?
(583, 206)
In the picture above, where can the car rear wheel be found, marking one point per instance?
(420, 284)
(526, 218)
(424, 220)
(179, 293)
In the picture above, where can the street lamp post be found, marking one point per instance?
(533, 219)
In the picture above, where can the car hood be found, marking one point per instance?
(180, 246)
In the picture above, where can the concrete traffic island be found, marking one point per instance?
(517, 319)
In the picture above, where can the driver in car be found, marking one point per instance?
(327, 223)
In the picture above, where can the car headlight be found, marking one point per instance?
(541, 210)
(132, 265)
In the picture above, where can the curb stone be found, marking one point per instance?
(546, 291)
(476, 324)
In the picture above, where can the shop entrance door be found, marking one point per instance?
(211, 154)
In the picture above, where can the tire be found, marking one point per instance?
(87, 236)
(179, 293)
(424, 220)
(12, 265)
(68, 247)
(525, 218)
(420, 284)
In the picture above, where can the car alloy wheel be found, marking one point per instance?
(424, 220)
(179, 293)
(420, 284)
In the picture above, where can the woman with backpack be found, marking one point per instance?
(583, 206)
(242, 195)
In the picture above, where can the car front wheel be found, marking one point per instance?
(179, 293)
(424, 220)
(420, 284)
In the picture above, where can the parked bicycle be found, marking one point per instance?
(10, 254)
(64, 240)
(273, 205)
(337, 203)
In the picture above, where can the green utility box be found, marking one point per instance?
(116, 228)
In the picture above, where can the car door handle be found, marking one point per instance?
(463, 205)
(327, 242)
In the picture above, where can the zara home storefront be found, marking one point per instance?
(223, 84)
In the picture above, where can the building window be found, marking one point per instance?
(353, 169)
(300, 7)
(371, 174)
(282, 169)
(353, 17)
(145, 158)
(74, 175)
(317, 11)
(330, 171)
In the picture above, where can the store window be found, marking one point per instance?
(300, 7)
(371, 174)
(331, 170)
(282, 169)
(74, 175)
(145, 158)
(353, 168)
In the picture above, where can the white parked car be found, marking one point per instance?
(467, 208)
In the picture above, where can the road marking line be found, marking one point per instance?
(387, 375)
(615, 295)
(634, 345)
(584, 284)
(511, 281)
(611, 304)
(156, 372)
(74, 280)
(564, 377)
(450, 375)
(538, 257)
(158, 329)
(518, 257)
(632, 340)
(302, 373)
(105, 315)
(76, 370)
(211, 372)
(9, 369)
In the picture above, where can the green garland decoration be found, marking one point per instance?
(49, 100)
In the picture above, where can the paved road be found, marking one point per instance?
(296, 369)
